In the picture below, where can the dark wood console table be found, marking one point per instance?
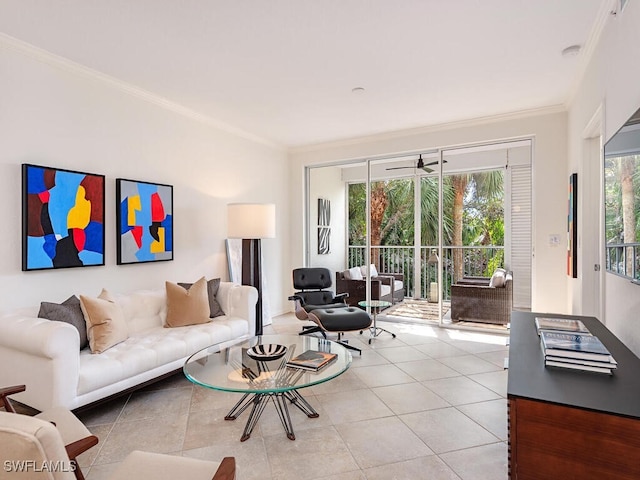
(566, 424)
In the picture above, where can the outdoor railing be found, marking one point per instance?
(477, 261)
(624, 259)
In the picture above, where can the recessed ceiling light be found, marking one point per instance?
(571, 51)
(357, 90)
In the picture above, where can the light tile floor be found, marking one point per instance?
(429, 404)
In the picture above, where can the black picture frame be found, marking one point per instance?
(572, 227)
(62, 218)
(144, 222)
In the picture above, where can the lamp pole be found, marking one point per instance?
(252, 222)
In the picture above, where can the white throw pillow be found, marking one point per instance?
(498, 278)
(372, 269)
(355, 274)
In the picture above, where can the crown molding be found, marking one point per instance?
(471, 122)
(605, 12)
(63, 63)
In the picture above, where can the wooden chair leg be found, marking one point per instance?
(4, 395)
(76, 469)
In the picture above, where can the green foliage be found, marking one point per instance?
(614, 227)
(483, 215)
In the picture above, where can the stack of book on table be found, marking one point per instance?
(312, 360)
(567, 343)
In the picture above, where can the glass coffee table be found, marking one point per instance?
(248, 368)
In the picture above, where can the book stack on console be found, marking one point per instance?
(573, 347)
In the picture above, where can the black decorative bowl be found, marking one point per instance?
(268, 351)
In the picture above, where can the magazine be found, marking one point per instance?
(312, 360)
(574, 345)
(562, 324)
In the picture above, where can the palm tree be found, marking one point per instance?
(622, 180)
(482, 188)
(392, 213)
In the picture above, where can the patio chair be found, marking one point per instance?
(484, 300)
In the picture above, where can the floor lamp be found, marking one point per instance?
(252, 222)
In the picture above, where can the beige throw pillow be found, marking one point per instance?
(105, 321)
(187, 307)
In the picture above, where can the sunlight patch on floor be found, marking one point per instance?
(477, 337)
(414, 329)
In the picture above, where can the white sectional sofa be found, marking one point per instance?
(45, 355)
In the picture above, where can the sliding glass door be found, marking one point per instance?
(432, 217)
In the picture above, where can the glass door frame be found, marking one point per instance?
(368, 162)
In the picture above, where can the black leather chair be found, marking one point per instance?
(327, 311)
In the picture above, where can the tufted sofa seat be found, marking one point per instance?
(45, 355)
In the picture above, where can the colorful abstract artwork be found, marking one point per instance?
(572, 227)
(145, 221)
(62, 218)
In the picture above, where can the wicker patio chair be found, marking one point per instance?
(474, 299)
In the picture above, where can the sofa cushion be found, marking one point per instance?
(187, 307)
(353, 274)
(498, 278)
(68, 311)
(153, 348)
(215, 310)
(105, 322)
(372, 269)
(143, 309)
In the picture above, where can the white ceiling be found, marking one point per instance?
(284, 70)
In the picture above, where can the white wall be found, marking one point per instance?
(326, 182)
(60, 116)
(550, 176)
(612, 80)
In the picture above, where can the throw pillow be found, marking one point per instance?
(68, 311)
(215, 310)
(372, 269)
(187, 307)
(498, 278)
(353, 274)
(106, 326)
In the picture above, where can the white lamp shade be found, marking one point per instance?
(251, 220)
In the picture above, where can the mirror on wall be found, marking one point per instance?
(622, 200)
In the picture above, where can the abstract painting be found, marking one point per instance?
(324, 240)
(144, 216)
(324, 212)
(572, 227)
(324, 230)
(62, 218)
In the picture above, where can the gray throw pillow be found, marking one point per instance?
(215, 310)
(68, 311)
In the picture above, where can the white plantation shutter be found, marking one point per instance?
(520, 234)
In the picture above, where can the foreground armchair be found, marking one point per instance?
(75, 436)
(33, 448)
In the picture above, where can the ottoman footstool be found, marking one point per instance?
(340, 320)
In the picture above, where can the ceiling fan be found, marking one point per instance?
(420, 164)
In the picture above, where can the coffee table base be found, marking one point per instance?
(259, 402)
